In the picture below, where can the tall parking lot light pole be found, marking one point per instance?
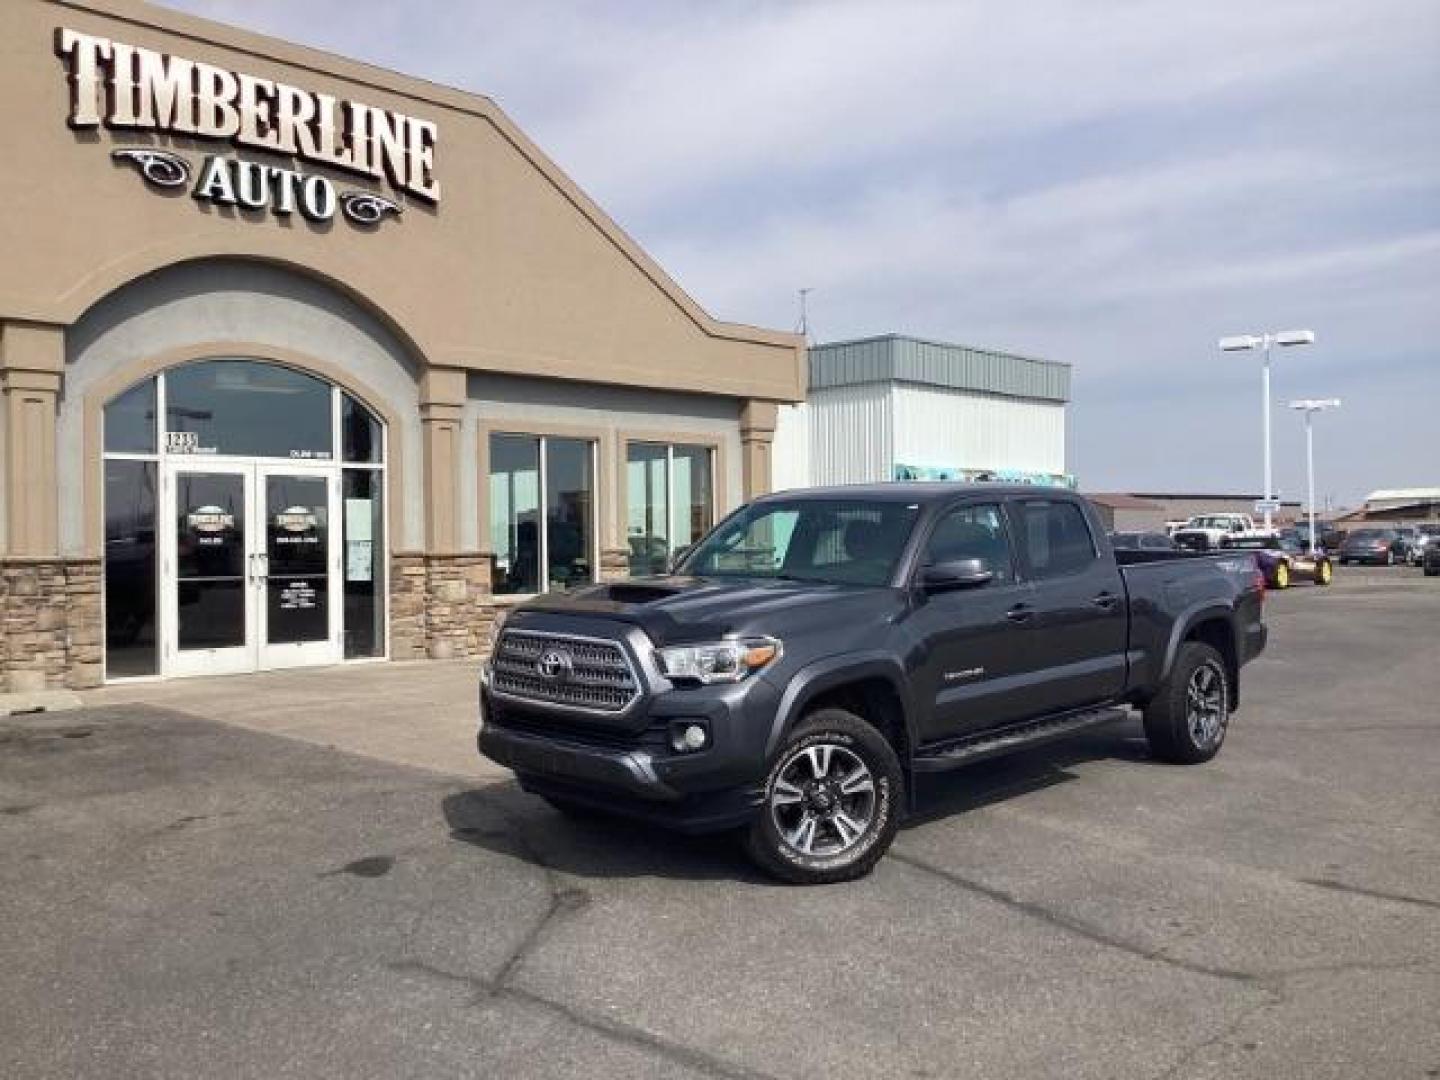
(1310, 406)
(1243, 342)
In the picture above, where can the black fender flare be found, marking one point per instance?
(1187, 620)
(834, 671)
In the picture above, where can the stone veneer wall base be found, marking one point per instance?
(440, 606)
(51, 636)
(52, 629)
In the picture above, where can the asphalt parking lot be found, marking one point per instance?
(184, 898)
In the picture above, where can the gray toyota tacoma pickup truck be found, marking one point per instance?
(820, 648)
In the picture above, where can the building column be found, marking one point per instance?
(757, 439)
(442, 407)
(32, 363)
(50, 629)
(455, 602)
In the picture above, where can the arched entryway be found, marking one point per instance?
(245, 526)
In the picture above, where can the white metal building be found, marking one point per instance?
(899, 408)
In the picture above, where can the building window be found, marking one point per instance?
(248, 409)
(671, 501)
(542, 513)
(131, 639)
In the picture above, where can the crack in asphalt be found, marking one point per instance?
(484, 990)
(1068, 923)
(1374, 894)
(564, 900)
(1245, 1016)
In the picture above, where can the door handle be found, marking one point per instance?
(1105, 601)
(1020, 613)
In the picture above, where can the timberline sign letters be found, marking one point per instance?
(129, 88)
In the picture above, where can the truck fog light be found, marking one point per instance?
(686, 738)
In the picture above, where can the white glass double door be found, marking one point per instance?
(250, 554)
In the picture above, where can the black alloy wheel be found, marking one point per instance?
(832, 801)
(1187, 720)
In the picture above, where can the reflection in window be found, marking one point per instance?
(569, 497)
(130, 421)
(515, 512)
(250, 409)
(647, 486)
(535, 554)
(364, 618)
(130, 641)
(670, 492)
(360, 438)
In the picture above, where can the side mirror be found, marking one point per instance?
(956, 574)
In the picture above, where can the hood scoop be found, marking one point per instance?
(624, 592)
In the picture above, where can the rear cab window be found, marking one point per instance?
(1055, 538)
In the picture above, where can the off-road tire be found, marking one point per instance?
(851, 740)
(1324, 573)
(1170, 720)
(1281, 576)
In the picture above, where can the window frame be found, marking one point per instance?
(542, 437)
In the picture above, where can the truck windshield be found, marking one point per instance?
(1211, 522)
(829, 541)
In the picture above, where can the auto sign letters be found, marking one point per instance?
(129, 88)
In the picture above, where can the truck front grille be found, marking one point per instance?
(556, 669)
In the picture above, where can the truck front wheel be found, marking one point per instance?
(1186, 722)
(832, 801)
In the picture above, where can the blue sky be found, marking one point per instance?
(1112, 183)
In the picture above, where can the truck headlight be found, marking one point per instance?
(718, 661)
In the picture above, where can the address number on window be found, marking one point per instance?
(182, 442)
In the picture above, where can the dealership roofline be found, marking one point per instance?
(263, 47)
(1006, 353)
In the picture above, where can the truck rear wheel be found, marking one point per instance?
(1324, 572)
(1282, 575)
(832, 802)
(1187, 720)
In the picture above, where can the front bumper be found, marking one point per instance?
(635, 773)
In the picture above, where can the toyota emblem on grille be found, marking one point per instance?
(555, 664)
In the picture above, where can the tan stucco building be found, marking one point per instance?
(304, 361)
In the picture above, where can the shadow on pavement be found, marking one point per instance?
(600, 847)
(613, 847)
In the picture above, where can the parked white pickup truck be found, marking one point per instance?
(1206, 532)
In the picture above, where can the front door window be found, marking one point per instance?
(297, 559)
(210, 560)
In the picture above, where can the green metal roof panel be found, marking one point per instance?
(894, 358)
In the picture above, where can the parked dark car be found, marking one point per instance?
(1286, 559)
(1378, 546)
(1142, 541)
(819, 649)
